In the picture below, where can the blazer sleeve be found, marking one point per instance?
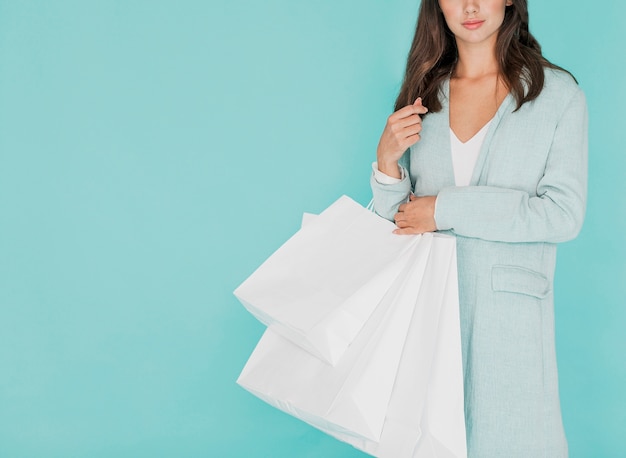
(388, 197)
(555, 214)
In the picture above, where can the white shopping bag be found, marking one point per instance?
(378, 397)
(425, 416)
(322, 285)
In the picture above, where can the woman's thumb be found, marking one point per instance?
(418, 103)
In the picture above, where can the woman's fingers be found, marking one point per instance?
(408, 231)
(411, 120)
(406, 135)
(417, 215)
(411, 130)
(401, 132)
(405, 112)
(406, 130)
(418, 106)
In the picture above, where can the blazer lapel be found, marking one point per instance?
(505, 106)
(433, 154)
(440, 133)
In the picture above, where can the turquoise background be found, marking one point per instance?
(154, 153)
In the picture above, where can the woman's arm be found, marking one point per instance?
(401, 131)
(388, 197)
(554, 215)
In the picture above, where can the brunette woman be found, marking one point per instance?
(489, 143)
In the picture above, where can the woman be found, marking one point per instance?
(497, 151)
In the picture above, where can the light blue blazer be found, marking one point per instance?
(527, 193)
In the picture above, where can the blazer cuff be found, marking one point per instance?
(443, 209)
(383, 178)
(388, 197)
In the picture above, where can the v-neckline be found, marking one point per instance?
(475, 136)
(493, 125)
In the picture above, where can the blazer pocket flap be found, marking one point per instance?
(514, 279)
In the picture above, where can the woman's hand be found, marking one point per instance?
(416, 216)
(401, 131)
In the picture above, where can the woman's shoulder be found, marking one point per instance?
(559, 85)
(560, 90)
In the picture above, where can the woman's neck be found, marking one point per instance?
(476, 61)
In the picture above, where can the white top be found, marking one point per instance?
(464, 157)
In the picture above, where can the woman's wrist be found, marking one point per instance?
(389, 168)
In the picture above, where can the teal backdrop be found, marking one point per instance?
(154, 153)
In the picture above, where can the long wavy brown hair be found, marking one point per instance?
(433, 56)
